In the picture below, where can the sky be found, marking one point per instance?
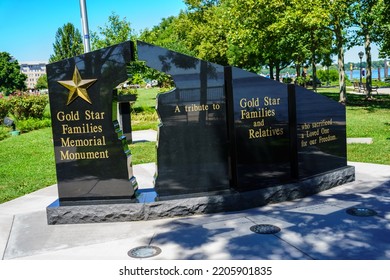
(28, 27)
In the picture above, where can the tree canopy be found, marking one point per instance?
(68, 43)
(254, 34)
(42, 82)
(384, 14)
(11, 79)
(114, 32)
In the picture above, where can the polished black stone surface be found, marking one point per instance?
(321, 133)
(225, 128)
(93, 161)
(259, 130)
(192, 152)
(124, 114)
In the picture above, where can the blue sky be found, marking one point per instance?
(28, 27)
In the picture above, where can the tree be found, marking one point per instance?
(340, 21)
(309, 21)
(42, 82)
(68, 43)
(201, 4)
(204, 29)
(253, 33)
(366, 15)
(169, 34)
(115, 32)
(256, 35)
(11, 78)
(384, 20)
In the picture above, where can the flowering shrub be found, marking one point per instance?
(23, 106)
(29, 111)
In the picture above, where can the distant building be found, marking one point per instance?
(33, 70)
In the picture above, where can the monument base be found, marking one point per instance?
(187, 206)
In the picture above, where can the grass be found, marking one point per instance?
(27, 161)
(143, 152)
(143, 115)
(367, 119)
(144, 121)
(377, 126)
(146, 98)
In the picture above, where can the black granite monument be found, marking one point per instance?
(93, 161)
(192, 151)
(223, 128)
(228, 139)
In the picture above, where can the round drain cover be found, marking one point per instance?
(144, 252)
(361, 212)
(265, 229)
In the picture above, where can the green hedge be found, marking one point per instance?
(29, 111)
(24, 106)
(331, 75)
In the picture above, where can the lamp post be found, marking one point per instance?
(350, 71)
(361, 57)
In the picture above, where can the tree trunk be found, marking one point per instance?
(340, 61)
(367, 48)
(313, 62)
(277, 74)
(298, 69)
(271, 70)
(314, 74)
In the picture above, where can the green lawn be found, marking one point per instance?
(146, 98)
(27, 161)
(144, 114)
(367, 119)
(376, 125)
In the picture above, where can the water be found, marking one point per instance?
(374, 74)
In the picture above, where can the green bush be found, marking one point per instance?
(128, 91)
(287, 80)
(4, 108)
(27, 106)
(137, 79)
(46, 111)
(378, 83)
(331, 75)
(29, 112)
(302, 80)
(32, 124)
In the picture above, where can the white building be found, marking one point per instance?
(33, 70)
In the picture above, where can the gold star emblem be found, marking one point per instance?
(77, 87)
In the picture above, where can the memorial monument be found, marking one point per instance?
(93, 162)
(228, 139)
